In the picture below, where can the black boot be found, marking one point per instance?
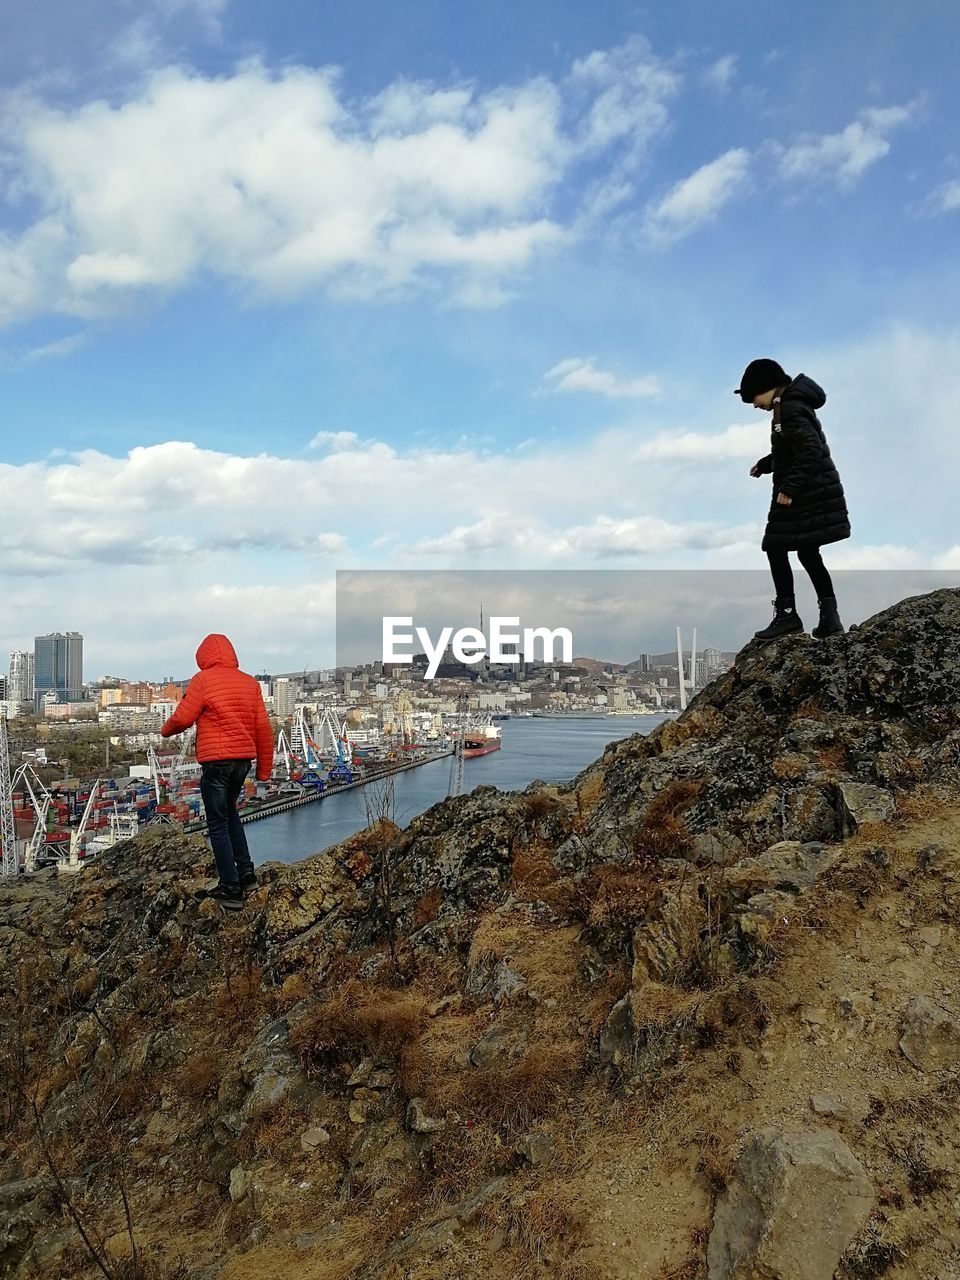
(785, 620)
(829, 624)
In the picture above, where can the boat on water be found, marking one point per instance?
(481, 739)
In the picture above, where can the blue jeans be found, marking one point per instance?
(221, 782)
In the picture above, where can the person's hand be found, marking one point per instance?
(783, 500)
(755, 470)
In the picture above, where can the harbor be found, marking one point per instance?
(552, 750)
(256, 811)
(316, 796)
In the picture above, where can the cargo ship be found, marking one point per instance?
(480, 740)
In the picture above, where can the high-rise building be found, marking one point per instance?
(285, 695)
(20, 683)
(58, 666)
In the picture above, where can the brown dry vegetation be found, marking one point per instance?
(357, 1017)
(662, 832)
(201, 1074)
(716, 1053)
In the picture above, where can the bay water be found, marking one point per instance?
(550, 749)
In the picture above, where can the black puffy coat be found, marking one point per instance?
(802, 469)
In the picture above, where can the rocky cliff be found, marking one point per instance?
(694, 1014)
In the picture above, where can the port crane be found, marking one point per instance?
(456, 763)
(179, 766)
(8, 832)
(155, 773)
(302, 740)
(76, 835)
(283, 752)
(403, 719)
(290, 785)
(41, 799)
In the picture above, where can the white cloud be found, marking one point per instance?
(152, 37)
(945, 198)
(721, 74)
(278, 181)
(697, 199)
(55, 350)
(698, 446)
(625, 91)
(577, 374)
(603, 538)
(335, 441)
(172, 539)
(606, 537)
(880, 557)
(845, 156)
(208, 10)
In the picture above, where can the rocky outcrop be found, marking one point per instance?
(795, 1203)
(434, 1040)
(930, 1036)
(802, 740)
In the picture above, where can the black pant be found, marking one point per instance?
(221, 782)
(811, 560)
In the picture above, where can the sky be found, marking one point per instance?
(299, 288)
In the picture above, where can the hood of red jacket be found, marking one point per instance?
(216, 651)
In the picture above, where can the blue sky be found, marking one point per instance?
(287, 289)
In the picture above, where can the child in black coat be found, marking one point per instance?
(808, 508)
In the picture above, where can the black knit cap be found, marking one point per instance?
(760, 376)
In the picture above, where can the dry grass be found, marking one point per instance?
(278, 1134)
(691, 1267)
(540, 804)
(714, 1161)
(513, 1095)
(834, 757)
(550, 1219)
(359, 1240)
(547, 958)
(616, 898)
(427, 907)
(662, 832)
(532, 870)
(201, 1074)
(809, 709)
(241, 1000)
(589, 794)
(463, 1157)
(918, 805)
(294, 988)
(379, 1022)
(495, 936)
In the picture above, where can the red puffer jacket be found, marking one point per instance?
(227, 707)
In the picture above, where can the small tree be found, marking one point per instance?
(383, 843)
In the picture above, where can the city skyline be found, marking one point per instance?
(623, 614)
